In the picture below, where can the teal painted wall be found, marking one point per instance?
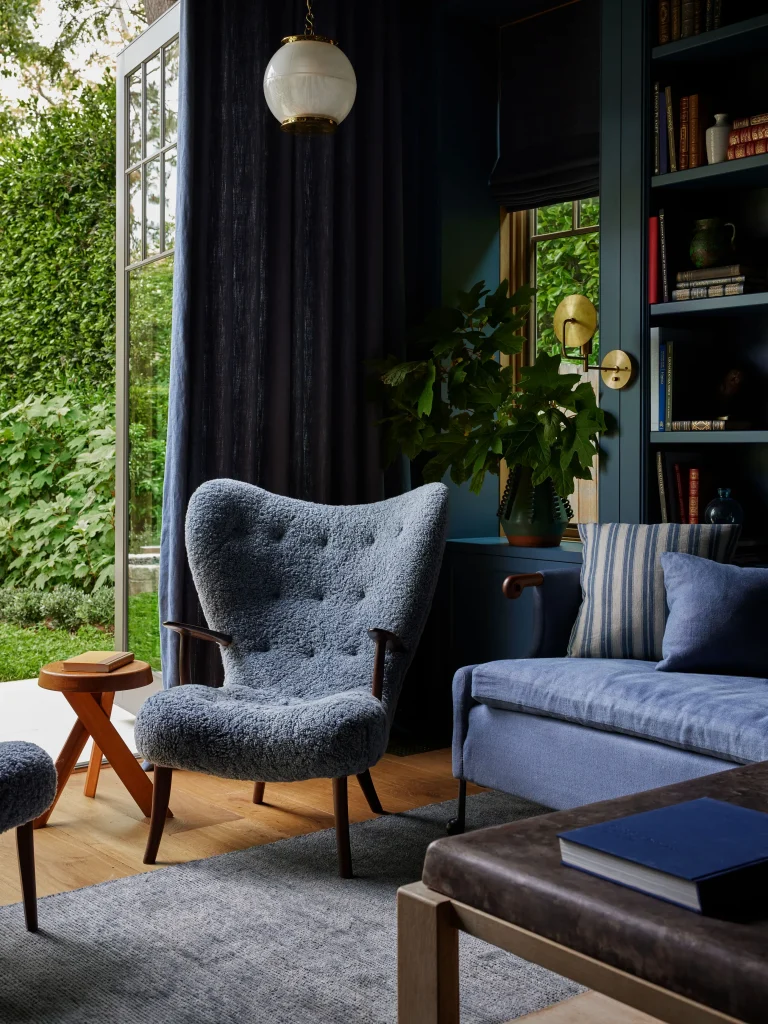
(469, 216)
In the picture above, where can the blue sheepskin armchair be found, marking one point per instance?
(292, 590)
(27, 788)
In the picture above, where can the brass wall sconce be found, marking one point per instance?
(617, 369)
(575, 324)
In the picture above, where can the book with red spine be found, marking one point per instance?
(681, 496)
(683, 151)
(693, 495)
(663, 256)
(751, 134)
(747, 149)
(653, 260)
(747, 122)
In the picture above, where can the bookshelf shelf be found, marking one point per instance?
(726, 306)
(737, 40)
(748, 172)
(681, 437)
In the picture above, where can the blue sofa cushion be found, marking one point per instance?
(717, 617)
(716, 715)
(624, 611)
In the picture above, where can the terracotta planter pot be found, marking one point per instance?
(533, 517)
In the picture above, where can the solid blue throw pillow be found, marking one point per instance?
(718, 617)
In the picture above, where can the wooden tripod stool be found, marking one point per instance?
(91, 695)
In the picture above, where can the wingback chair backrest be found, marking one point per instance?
(297, 585)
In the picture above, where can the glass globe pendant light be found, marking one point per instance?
(309, 83)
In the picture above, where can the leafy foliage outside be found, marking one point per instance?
(60, 607)
(459, 405)
(151, 299)
(57, 511)
(57, 250)
(565, 266)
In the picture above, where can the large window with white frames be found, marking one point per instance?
(147, 130)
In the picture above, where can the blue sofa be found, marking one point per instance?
(569, 731)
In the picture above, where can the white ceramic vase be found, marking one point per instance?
(717, 139)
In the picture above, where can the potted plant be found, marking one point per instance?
(455, 403)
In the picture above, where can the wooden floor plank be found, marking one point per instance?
(94, 840)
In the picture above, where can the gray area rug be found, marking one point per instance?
(268, 934)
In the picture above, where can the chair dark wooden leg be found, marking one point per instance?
(25, 845)
(456, 825)
(369, 791)
(161, 795)
(341, 814)
(258, 792)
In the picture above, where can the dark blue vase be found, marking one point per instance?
(724, 508)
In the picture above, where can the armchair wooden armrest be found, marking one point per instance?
(199, 633)
(385, 641)
(514, 585)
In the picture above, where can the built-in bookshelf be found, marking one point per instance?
(720, 342)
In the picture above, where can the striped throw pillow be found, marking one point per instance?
(624, 609)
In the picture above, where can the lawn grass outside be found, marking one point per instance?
(144, 628)
(23, 651)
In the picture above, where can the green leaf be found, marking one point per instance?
(398, 373)
(424, 405)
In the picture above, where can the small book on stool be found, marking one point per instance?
(97, 661)
(706, 855)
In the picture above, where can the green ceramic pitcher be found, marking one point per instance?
(713, 243)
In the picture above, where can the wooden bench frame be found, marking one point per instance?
(428, 926)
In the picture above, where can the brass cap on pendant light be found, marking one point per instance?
(309, 84)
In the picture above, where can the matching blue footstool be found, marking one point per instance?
(27, 788)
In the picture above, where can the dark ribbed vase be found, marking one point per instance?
(533, 517)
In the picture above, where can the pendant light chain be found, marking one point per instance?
(309, 22)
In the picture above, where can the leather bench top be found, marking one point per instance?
(514, 873)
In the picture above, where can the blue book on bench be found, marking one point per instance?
(705, 855)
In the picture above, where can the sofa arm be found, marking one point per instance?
(462, 705)
(556, 602)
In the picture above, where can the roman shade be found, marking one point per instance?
(549, 108)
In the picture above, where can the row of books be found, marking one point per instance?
(678, 135)
(679, 19)
(749, 136)
(662, 404)
(679, 489)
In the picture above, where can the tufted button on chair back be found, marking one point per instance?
(297, 585)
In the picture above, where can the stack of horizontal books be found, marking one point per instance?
(749, 136)
(715, 282)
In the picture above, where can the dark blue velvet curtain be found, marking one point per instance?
(291, 268)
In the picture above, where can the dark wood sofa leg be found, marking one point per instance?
(456, 825)
(369, 791)
(341, 814)
(25, 845)
(161, 795)
(258, 792)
